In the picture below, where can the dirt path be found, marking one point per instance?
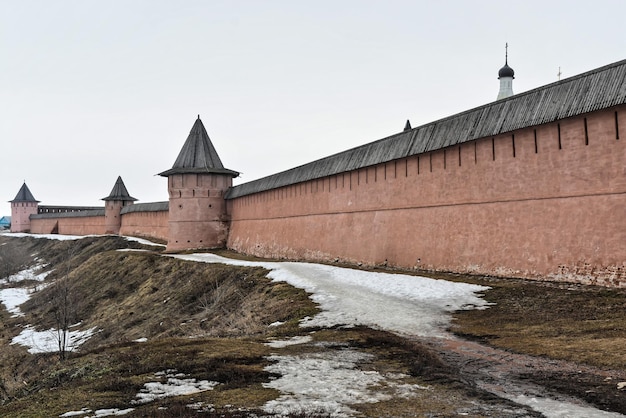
(554, 388)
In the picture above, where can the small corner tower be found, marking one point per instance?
(113, 204)
(197, 183)
(22, 207)
(506, 76)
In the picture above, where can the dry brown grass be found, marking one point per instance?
(227, 310)
(582, 324)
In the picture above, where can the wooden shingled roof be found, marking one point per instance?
(24, 195)
(598, 89)
(198, 155)
(119, 192)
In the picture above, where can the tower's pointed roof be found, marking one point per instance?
(24, 195)
(119, 192)
(198, 155)
(407, 126)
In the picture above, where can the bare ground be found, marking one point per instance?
(536, 338)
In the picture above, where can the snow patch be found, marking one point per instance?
(552, 408)
(112, 412)
(175, 385)
(48, 341)
(12, 298)
(60, 237)
(326, 382)
(410, 305)
(99, 412)
(83, 411)
(290, 341)
(28, 274)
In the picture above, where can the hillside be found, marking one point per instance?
(180, 338)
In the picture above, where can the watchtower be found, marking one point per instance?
(113, 204)
(197, 183)
(22, 207)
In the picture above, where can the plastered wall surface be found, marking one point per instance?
(546, 201)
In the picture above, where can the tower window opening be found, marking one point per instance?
(444, 159)
(558, 128)
(616, 126)
(513, 144)
(586, 132)
(535, 134)
(459, 156)
(493, 149)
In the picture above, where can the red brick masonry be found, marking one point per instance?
(543, 202)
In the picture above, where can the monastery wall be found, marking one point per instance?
(68, 225)
(541, 202)
(147, 224)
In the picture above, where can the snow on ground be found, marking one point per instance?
(12, 298)
(401, 303)
(37, 341)
(555, 409)
(28, 274)
(327, 382)
(299, 339)
(98, 412)
(176, 384)
(61, 237)
(48, 341)
(47, 236)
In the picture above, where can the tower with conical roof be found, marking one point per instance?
(22, 207)
(113, 204)
(506, 76)
(197, 183)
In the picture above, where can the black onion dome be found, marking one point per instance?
(506, 71)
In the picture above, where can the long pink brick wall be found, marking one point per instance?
(545, 202)
(146, 224)
(84, 225)
(139, 224)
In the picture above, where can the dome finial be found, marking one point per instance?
(506, 53)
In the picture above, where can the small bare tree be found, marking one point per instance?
(64, 306)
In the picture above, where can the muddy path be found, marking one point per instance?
(552, 387)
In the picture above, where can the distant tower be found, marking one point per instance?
(506, 76)
(407, 126)
(22, 207)
(113, 204)
(197, 183)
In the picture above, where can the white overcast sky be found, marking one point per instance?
(90, 90)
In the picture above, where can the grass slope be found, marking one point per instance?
(211, 322)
